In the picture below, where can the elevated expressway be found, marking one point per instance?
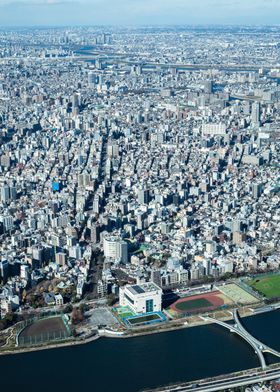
(224, 382)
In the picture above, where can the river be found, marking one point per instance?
(128, 365)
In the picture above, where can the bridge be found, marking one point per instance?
(246, 377)
(223, 383)
(238, 328)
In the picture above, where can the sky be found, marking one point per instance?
(137, 12)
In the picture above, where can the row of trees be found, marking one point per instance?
(77, 313)
(7, 321)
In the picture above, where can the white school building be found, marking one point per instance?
(142, 298)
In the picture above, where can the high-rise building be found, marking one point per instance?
(24, 271)
(143, 196)
(96, 204)
(60, 258)
(95, 233)
(4, 270)
(208, 86)
(5, 194)
(115, 248)
(13, 193)
(255, 114)
(256, 190)
(92, 79)
(102, 288)
(156, 277)
(8, 222)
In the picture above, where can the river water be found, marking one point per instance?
(128, 365)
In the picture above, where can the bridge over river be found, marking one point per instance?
(238, 328)
(246, 377)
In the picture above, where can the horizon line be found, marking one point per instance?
(258, 25)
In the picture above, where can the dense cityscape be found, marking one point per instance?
(139, 183)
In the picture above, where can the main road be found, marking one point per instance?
(117, 58)
(252, 376)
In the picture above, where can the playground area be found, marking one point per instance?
(238, 295)
(131, 319)
(268, 285)
(200, 303)
(123, 312)
(44, 331)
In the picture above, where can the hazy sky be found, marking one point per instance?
(131, 12)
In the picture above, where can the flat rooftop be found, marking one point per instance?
(143, 288)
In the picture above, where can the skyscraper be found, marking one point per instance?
(256, 190)
(5, 194)
(255, 114)
(143, 196)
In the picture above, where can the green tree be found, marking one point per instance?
(68, 308)
(111, 299)
(83, 308)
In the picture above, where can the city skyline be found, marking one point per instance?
(139, 193)
(137, 12)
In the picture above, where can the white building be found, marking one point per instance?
(214, 129)
(102, 288)
(143, 298)
(115, 248)
(59, 300)
(7, 221)
(24, 271)
(80, 286)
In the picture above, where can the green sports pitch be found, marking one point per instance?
(193, 304)
(268, 286)
(144, 319)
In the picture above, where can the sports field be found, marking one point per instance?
(193, 304)
(43, 331)
(143, 319)
(201, 303)
(130, 318)
(123, 312)
(267, 285)
(238, 294)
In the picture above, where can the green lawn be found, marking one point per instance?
(124, 312)
(193, 304)
(268, 285)
(125, 315)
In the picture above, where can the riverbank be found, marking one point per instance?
(50, 346)
(170, 326)
(185, 354)
(226, 381)
(175, 325)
